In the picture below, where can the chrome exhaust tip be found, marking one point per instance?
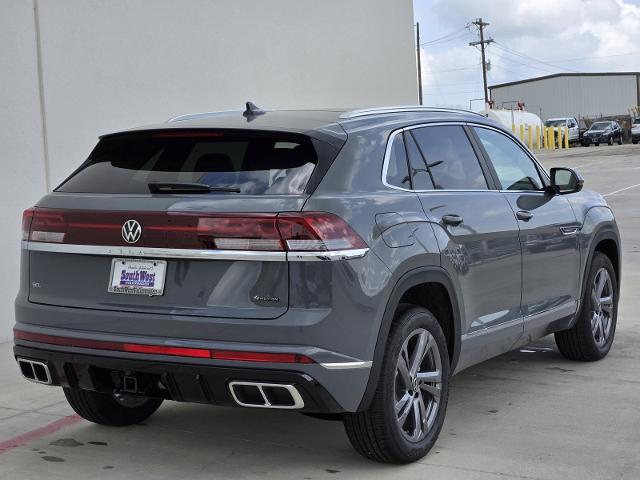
(266, 395)
(35, 371)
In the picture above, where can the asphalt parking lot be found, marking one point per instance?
(529, 414)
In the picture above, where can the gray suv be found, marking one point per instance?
(343, 264)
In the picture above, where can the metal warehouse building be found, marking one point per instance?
(580, 95)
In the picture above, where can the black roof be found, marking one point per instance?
(330, 125)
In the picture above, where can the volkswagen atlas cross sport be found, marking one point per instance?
(338, 263)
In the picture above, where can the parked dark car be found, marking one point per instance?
(336, 263)
(603, 132)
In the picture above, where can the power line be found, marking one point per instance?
(444, 37)
(529, 57)
(447, 40)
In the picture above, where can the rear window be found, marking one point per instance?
(636, 121)
(255, 163)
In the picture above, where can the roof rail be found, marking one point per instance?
(193, 116)
(363, 112)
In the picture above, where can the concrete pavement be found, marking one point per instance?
(529, 414)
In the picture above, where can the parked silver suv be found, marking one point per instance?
(338, 263)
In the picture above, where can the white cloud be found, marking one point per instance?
(575, 35)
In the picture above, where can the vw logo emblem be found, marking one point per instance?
(131, 231)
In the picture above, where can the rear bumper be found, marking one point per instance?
(172, 380)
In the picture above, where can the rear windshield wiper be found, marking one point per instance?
(175, 187)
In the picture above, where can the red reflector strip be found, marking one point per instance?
(160, 350)
(240, 356)
(232, 355)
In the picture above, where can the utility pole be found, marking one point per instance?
(480, 24)
(419, 62)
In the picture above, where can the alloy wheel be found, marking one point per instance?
(603, 306)
(418, 385)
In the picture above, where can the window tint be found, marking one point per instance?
(515, 169)
(449, 157)
(254, 162)
(419, 173)
(397, 169)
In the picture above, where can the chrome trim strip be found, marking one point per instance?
(387, 154)
(298, 402)
(569, 230)
(327, 256)
(363, 112)
(136, 252)
(346, 365)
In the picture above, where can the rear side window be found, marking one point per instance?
(449, 158)
(254, 162)
(397, 170)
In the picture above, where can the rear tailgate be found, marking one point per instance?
(208, 254)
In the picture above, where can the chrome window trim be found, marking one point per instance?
(392, 135)
(194, 254)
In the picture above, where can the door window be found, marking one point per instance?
(449, 158)
(515, 169)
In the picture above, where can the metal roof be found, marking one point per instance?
(567, 74)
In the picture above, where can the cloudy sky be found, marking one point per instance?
(532, 38)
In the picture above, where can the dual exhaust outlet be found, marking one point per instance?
(245, 394)
(266, 395)
(35, 371)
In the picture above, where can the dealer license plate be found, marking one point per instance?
(137, 277)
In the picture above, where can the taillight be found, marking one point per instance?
(27, 217)
(317, 231)
(269, 232)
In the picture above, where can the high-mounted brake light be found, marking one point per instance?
(230, 355)
(267, 232)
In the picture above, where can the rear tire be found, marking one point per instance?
(592, 335)
(407, 411)
(107, 410)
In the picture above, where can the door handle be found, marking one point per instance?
(453, 220)
(524, 215)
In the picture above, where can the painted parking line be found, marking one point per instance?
(38, 433)
(622, 190)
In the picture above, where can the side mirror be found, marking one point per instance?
(566, 180)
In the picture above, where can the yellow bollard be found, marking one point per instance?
(566, 137)
(538, 146)
(545, 137)
(552, 139)
(560, 142)
(530, 137)
(522, 132)
(513, 128)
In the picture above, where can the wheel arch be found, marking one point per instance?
(423, 276)
(605, 240)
